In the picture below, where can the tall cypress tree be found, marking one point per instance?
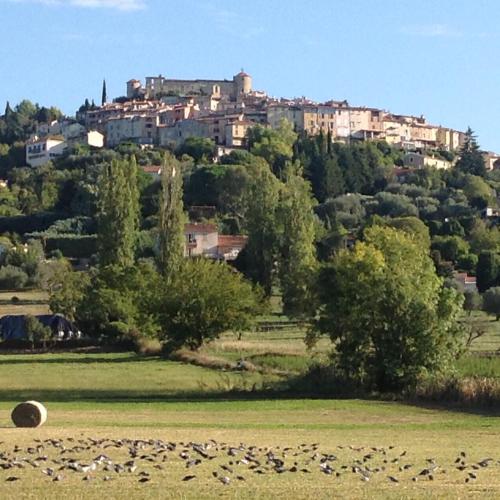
(104, 98)
(8, 110)
(118, 213)
(171, 218)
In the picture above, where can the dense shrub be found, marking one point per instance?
(22, 224)
(73, 246)
(12, 278)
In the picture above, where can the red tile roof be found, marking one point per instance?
(200, 228)
(229, 242)
(151, 169)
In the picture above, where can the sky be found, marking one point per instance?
(434, 58)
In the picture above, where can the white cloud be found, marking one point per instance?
(123, 5)
(431, 30)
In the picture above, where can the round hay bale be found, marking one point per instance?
(29, 414)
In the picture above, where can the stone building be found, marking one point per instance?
(159, 86)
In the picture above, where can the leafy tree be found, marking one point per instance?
(51, 274)
(484, 239)
(261, 223)
(118, 213)
(452, 248)
(472, 301)
(12, 278)
(297, 261)
(199, 148)
(478, 192)
(387, 311)
(119, 301)
(414, 227)
(36, 331)
(205, 299)
(274, 145)
(488, 268)
(171, 218)
(395, 205)
(471, 159)
(204, 185)
(491, 302)
(67, 291)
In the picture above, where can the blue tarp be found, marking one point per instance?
(13, 327)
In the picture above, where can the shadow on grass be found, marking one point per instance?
(122, 397)
(128, 396)
(29, 358)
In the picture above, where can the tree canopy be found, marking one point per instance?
(387, 311)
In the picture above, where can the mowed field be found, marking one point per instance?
(105, 404)
(122, 425)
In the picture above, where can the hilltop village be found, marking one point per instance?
(165, 112)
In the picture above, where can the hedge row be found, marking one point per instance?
(73, 246)
(22, 224)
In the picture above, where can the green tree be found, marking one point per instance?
(199, 148)
(104, 97)
(205, 299)
(67, 291)
(452, 248)
(484, 239)
(118, 213)
(262, 226)
(171, 218)
(274, 145)
(478, 193)
(472, 301)
(491, 302)
(387, 311)
(36, 331)
(120, 300)
(487, 271)
(414, 227)
(297, 263)
(471, 159)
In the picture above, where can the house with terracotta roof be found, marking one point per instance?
(153, 170)
(203, 240)
(468, 283)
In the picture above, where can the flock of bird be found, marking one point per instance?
(92, 459)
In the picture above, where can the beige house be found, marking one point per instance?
(417, 160)
(177, 133)
(140, 129)
(491, 161)
(203, 240)
(236, 132)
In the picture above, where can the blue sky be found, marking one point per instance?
(438, 58)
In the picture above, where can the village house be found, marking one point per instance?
(468, 283)
(40, 151)
(203, 240)
(418, 160)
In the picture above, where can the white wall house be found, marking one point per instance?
(41, 151)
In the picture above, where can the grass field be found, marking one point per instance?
(103, 403)
(30, 302)
(125, 397)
